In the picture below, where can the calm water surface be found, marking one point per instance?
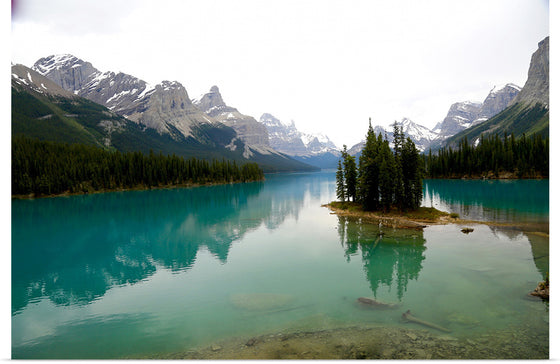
(145, 272)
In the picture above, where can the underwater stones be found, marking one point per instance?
(411, 336)
(372, 303)
(467, 230)
(252, 341)
(463, 319)
(407, 317)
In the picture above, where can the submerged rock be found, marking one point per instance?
(463, 319)
(373, 303)
(467, 230)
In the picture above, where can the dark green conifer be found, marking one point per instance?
(340, 188)
(368, 175)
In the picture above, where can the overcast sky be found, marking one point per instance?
(327, 65)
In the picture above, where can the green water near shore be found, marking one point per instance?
(145, 272)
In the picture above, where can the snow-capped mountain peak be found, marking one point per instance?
(286, 138)
(499, 88)
(57, 61)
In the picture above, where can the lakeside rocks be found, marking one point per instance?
(542, 290)
(395, 222)
(376, 342)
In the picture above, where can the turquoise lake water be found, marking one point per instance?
(128, 274)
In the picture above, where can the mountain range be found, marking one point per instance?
(507, 108)
(248, 129)
(64, 90)
(315, 149)
(527, 113)
(64, 98)
(461, 116)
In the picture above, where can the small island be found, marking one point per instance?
(386, 186)
(414, 219)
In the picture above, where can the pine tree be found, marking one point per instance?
(411, 176)
(340, 188)
(398, 141)
(350, 176)
(385, 179)
(387, 171)
(368, 178)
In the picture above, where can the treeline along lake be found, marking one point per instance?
(45, 168)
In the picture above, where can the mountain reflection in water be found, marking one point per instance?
(128, 233)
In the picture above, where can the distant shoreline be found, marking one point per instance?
(32, 196)
(490, 176)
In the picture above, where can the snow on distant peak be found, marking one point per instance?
(307, 139)
(170, 85)
(57, 61)
(499, 88)
(270, 120)
(287, 139)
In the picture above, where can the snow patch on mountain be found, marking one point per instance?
(419, 134)
(286, 138)
(500, 88)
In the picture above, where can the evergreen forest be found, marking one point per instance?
(383, 179)
(47, 168)
(524, 157)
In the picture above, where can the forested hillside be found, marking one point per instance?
(522, 157)
(517, 119)
(47, 168)
(78, 120)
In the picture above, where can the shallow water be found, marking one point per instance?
(146, 272)
(524, 201)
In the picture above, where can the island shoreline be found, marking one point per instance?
(401, 221)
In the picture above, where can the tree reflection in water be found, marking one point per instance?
(74, 249)
(391, 257)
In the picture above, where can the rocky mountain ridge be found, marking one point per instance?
(463, 115)
(248, 129)
(161, 118)
(536, 88)
(419, 134)
(28, 79)
(165, 107)
(286, 138)
(315, 149)
(527, 113)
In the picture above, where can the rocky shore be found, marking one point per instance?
(412, 220)
(427, 216)
(376, 342)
